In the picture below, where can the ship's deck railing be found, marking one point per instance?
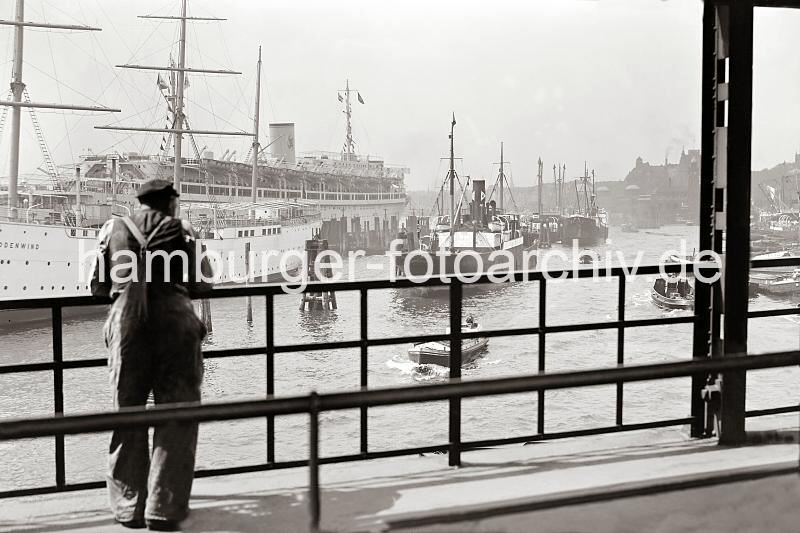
(454, 390)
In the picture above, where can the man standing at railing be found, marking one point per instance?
(153, 336)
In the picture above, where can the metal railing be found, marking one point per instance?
(453, 391)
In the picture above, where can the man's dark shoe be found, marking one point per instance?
(163, 525)
(136, 523)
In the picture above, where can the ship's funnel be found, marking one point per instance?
(281, 137)
(478, 200)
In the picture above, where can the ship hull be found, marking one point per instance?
(44, 261)
(436, 353)
(586, 230)
(665, 302)
(466, 264)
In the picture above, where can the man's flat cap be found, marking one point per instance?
(157, 186)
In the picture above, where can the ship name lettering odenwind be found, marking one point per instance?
(18, 245)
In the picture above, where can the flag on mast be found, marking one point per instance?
(361, 100)
(161, 83)
(340, 97)
(454, 119)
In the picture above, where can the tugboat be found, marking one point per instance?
(589, 225)
(673, 292)
(466, 239)
(438, 352)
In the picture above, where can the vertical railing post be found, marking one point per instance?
(737, 216)
(58, 392)
(270, 326)
(456, 291)
(620, 343)
(364, 370)
(703, 309)
(542, 329)
(313, 462)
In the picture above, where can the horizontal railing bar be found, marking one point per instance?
(577, 433)
(774, 312)
(242, 469)
(634, 323)
(137, 417)
(228, 291)
(234, 352)
(234, 291)
(331, 345)
(778, 262)
(772, 411)
(50, 365)
(386, 341)
(51, 489)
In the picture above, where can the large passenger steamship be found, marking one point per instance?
(47, 232)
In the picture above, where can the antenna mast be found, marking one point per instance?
(256, 146)
(349, 148)
(17, 90)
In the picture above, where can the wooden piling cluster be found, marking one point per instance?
(372, 235)
(317, 301)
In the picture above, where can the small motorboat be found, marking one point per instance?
(673, 292)
(629, 228)
(438, 352)
(777, 284)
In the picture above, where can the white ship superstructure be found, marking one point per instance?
(47, 235)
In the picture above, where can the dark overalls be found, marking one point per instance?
(156, 352)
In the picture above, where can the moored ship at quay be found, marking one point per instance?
(476, 236)
(266, 203)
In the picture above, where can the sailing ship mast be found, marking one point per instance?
(179, 117)
(452, 175)
(256, 146)
(539, 190)
(17, 89)
(502, 178)
(544, 234)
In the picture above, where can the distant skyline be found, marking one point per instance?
(565, 80)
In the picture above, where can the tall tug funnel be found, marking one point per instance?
(478, 201)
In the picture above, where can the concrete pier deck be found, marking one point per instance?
(607, 483)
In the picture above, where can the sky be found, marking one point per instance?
(570, 81)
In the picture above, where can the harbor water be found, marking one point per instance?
(393, 312)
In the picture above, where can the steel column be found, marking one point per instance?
(455, 372)
(364, 370)
(270, 339)
(737, 216)
(701, 342)
(620, 345)
(58, 393)
(542, 346)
